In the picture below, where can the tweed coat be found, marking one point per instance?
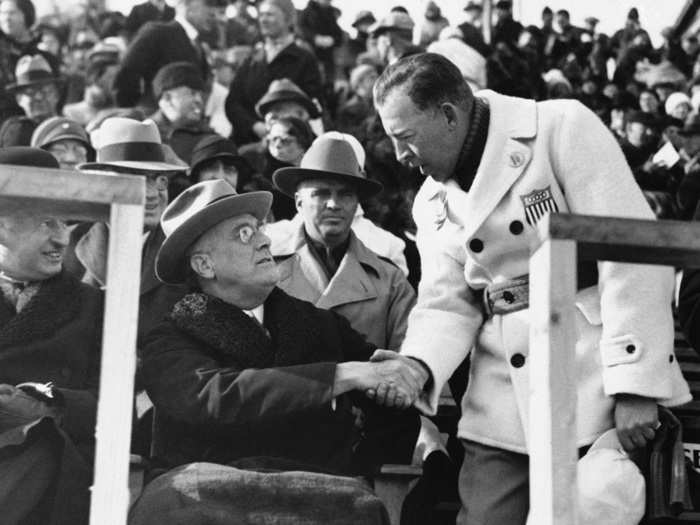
(370, 292)
(558, 156)
(223, 390)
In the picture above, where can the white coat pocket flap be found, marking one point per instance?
(620, 350)
(588, 303)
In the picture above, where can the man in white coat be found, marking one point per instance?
(495, 166)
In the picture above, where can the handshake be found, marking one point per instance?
(389, 378)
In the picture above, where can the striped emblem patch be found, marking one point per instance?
(537, 203)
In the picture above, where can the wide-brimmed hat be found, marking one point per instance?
(394, 21)
(327, 158)
(363, 16)
(27, 156)
(32, 70)
(57, 128)
(284, 90)
(216, 147)
(194, 212)
(473, 6)
(124, 144)
(175, 75)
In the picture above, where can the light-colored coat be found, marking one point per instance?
(371, 293)
(624, 327)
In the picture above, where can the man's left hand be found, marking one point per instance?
(636, 419)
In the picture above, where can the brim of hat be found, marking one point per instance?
(11, 88)
(170, 260)
(126, 165)
(261, 107)
(287, 180)
(369, 19)
(239, 161)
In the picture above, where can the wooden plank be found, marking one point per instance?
(672, 243)
(110, 493)
(552, 425)
(70, 185)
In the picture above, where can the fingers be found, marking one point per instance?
(633, 439)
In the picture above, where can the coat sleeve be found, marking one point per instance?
(635, 300)
(403, 299)
(140, 59)
(442, 327)
(241, 115)
(188, 384)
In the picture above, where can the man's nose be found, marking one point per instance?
(403, 153)
(262, 240)
(60, 234)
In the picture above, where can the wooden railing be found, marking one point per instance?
(562, 239)
(119, 200)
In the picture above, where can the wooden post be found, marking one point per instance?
(110, 496)
(486, 16)
(552, 434)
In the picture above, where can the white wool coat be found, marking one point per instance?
(468, 240)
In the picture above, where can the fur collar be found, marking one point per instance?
(294, 332)
(55, 304)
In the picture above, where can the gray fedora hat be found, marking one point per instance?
(327, 158)
(194, 212)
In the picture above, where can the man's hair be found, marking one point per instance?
(429, 80)
(563, 12)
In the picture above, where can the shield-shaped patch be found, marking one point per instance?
(537, 203)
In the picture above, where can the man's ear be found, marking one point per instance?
(297, 200)
(202, 265)
(450, 113)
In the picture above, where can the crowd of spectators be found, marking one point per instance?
(237, 90)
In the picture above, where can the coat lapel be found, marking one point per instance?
(504, 160)
(350, 284)
(149, 281)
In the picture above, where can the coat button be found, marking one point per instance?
(516, 227)
(476, 245)
(670, 358)
(517, 360)
(630, 349)
(508, 297)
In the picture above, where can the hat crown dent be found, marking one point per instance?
(117, 130)
(332, 155)
(32, 63)
(193, 200)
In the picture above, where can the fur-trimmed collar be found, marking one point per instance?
(230, 331)
(54, 305)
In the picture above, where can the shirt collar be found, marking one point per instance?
(191, 31)
(258, 313)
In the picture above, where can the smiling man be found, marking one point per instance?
(496, 165)
(50, 334)
(253, 389)
(324, 262)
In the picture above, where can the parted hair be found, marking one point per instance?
(429, 80)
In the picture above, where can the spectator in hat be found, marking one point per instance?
(215, 157)
(149, 11)
(37, 92)
(239, 366)
(160, 43)
(624, 37)
(506, 29)
(639, 142)
(179, 91)
(363, 21)
(278, 57)
(16, 40)
(394, 34)
(65, 139)
(130, 147)
(469, 61)
(432, 25)
(323, 261)
(471, 29)
(677, 105)
(242, 28)
(50, 328)
(355, 111)
(591, 25)
(319, 27)
(569, 34)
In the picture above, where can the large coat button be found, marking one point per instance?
(516, 227)
(476, 245)
(517, 360)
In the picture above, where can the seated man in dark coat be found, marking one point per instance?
(50, 333)
(246, 377)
